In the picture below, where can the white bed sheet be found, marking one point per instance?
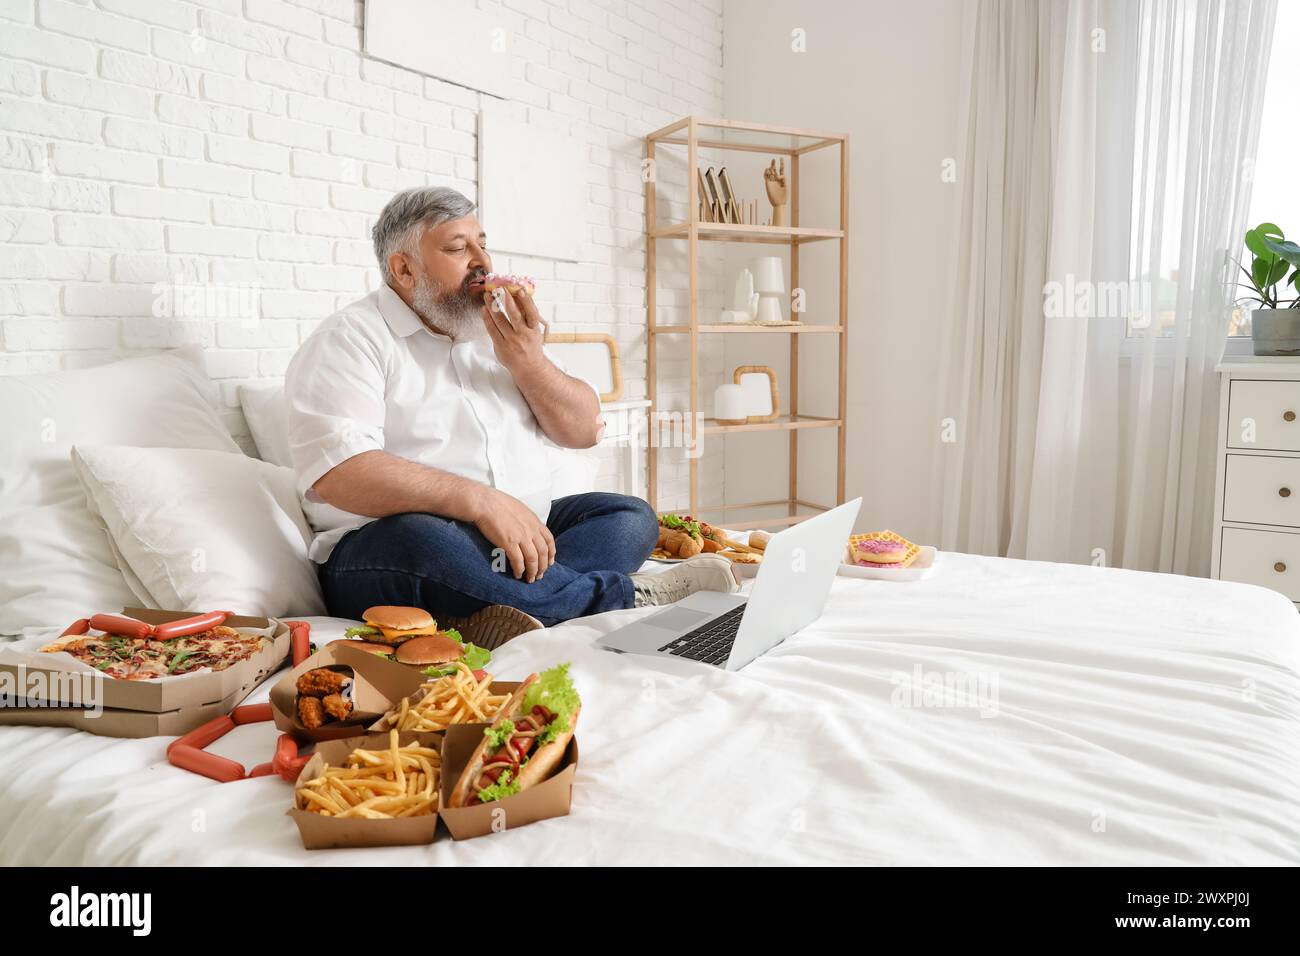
(1140, 719)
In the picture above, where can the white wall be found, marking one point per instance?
(887, 74)
(236, 142)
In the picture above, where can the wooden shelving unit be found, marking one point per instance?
(770, 140)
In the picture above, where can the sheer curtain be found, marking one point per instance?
(1107, 154)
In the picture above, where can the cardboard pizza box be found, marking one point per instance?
(378, 685)
(320, 832)
(552, 797)
(118, 723)
(33, 683)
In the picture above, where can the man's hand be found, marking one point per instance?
(566, 408)
(516, 328)
(513, 527)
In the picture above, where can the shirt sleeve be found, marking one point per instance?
(334, 389)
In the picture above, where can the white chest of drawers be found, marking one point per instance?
(1257, 489)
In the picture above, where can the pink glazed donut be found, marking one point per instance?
(879, 552)
(511, 283)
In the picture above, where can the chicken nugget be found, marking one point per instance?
(320, 682)
(337, 706)
(310, 712)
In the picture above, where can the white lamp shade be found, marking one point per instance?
(769, 275)
(729, 403)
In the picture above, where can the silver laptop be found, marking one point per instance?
(730, 630)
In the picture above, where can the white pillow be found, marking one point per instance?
(56, 564)
(205, 530)
(267, 414)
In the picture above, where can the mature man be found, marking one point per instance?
(420, 419)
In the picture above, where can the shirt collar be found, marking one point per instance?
(399, 316)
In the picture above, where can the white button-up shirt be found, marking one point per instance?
(374, 377)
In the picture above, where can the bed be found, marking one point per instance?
(996, 712)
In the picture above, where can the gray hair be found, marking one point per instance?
(403, 221)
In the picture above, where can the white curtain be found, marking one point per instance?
(1106, 157)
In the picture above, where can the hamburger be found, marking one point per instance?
(386, 624)
(409, 635)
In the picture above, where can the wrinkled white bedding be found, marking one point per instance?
(1123, 718)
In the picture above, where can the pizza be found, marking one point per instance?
(127, 658)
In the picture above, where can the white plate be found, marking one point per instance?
(913, 572)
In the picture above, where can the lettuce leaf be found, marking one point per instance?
(475, 657)
(554, 690)
(689, 525)
(497, 736)
(452, 632)
(364, 630)
(504, 787)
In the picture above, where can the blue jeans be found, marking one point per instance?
(445, 566)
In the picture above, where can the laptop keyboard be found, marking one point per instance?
(710, 643)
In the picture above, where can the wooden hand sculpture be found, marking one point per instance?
(776, 191)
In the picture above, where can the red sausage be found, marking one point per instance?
(291, 771)
(262, 770)
(200, 737)
(251, 713)
(117, 624)
(286, 749)
(77, 627)
(189, 625)
(300, 641)
(201, 762)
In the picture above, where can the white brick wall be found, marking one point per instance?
(249, 141)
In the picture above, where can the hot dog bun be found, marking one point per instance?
(541, 762)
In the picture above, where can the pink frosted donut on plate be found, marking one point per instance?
(879, 552)
(511, 283)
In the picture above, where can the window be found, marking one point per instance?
(1275, 196)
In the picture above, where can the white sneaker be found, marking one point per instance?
(704, 572)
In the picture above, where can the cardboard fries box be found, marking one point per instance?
(59, 690)
(496, 688)
(550, 798)
(320, 832)
(378, 685)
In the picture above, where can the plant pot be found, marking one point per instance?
(1275, 331)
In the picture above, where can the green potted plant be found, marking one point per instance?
(1275, 320)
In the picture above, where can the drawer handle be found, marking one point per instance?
(1288, 416)
(1284, 492)
(1280, 567)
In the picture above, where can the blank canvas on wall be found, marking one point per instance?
(532, 188)
(449, 39)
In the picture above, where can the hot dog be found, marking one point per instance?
(526, 741)
(189, 625)
(125, 626)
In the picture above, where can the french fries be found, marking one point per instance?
(377, 784)
(458, 699)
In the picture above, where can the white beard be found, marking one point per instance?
(455, 314)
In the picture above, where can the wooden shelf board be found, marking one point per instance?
(734, 327)
(783, 423)
(744, 232)
(710, 122)
(775, 521)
